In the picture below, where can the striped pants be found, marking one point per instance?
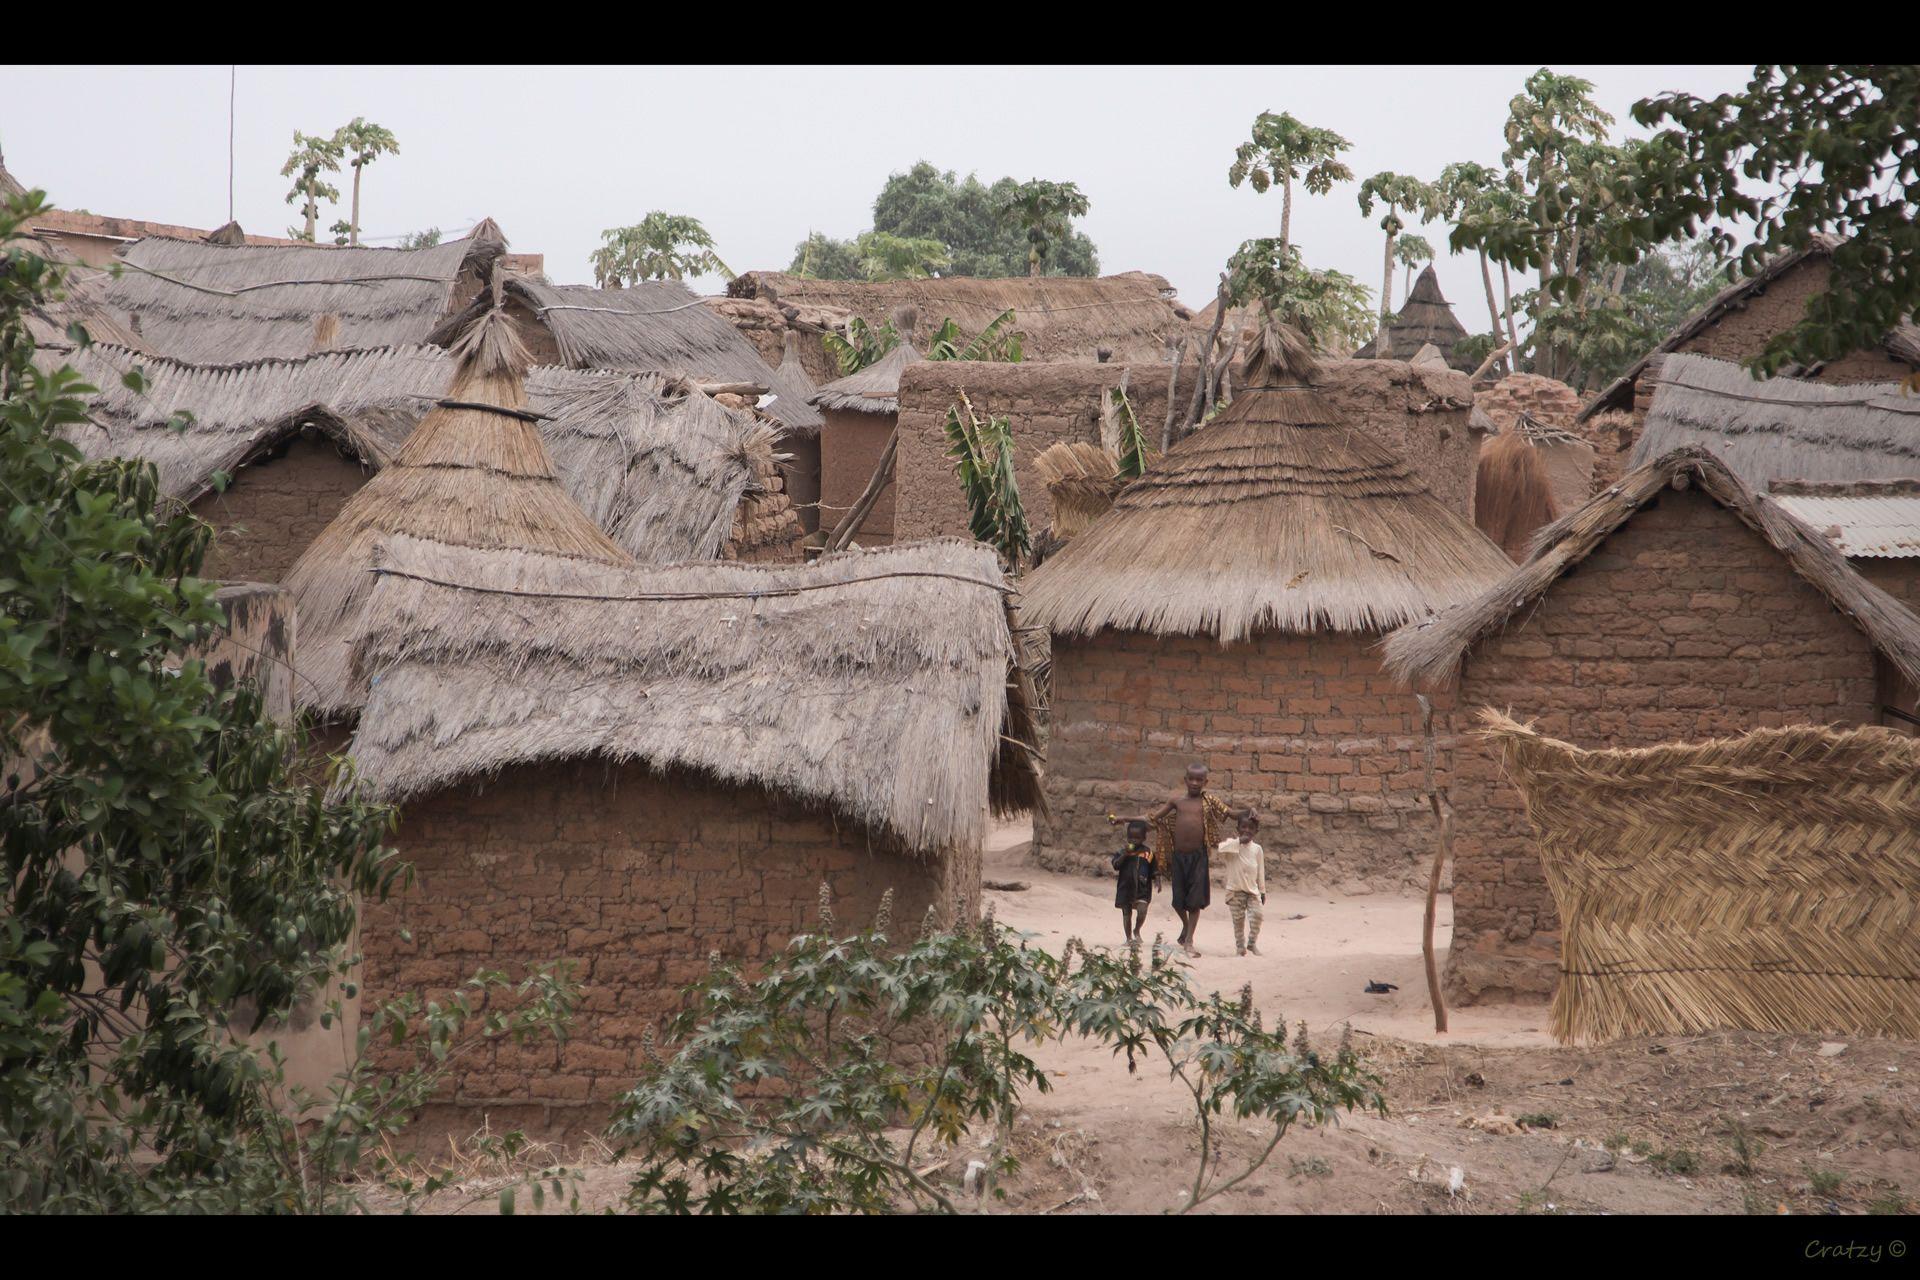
(1245, 909)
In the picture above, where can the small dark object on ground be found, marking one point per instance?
(1006, 886)
(1476, 1080)
(1656, 1048)
(1380, 988)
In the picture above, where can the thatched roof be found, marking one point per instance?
(1430, 653)
(1425, 319)
(655, 326)
(1065, 318)
(9, 185)
(1274, 515)
(1902, 341)
(1865, 519)
(1781, 428)
(217, 303)
(473, 473)
(661, 469)
(873, 683)
(1766, 881)
(874, 389)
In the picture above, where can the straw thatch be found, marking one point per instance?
(1064, 318)
(1512, 494)
(654, 326)
(1770, 881)
(1781, 428)
(1274, 515)
(661, 469)
(1425, 319)
(1080, 481)
(9, 185)
(474, 473)
(1902, 341)
(220, 303)
(874, 389)
(1431, 652)
(874, 683)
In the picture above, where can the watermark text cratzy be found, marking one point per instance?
(1854, 1251)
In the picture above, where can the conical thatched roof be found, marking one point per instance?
(1274, 515)
(1427, 318)
(874, 389)
(877, 684)
(474, 473)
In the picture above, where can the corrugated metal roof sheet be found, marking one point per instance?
(1884, 525)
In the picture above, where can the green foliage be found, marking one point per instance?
(982, 453)
(1824, 1182)
(1283, 149)
(884, 256)
(1477, 346)
(1395, 193)
(1829, 148)
(1677, 1160)
(821, 257)
(420, 239)
(1132, 463)
(365, 143)
(1330, 308)
(1890, 1205)
(863, 345)
(311, 157)
(1538, 1120)
(963, 214)
(999, 341)
(1044, 212)
(1746, 1149)
(661, 246)
(783, 1093)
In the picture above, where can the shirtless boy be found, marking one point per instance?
(1185, 829)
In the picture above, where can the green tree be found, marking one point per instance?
(311, 157)
(661, 246)
(1285, 150)
(163, 863)
(1396, 193)
(1044, 212)
(1331, 308)
(1834, 148)
(420, 239)
(982, 453)
(821, 257)
(365, 143)
(1410, 251)
(1478, 201)
(884, 256)
(962, 214)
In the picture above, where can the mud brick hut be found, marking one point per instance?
(1065, 319)
(277, 447)
(1226, 610)
(230, 303)
(1425, 319)
(1676, 606)
(860, 412)
(631, 768)
(1737, 323)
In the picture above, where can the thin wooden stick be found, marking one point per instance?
(1177, 357)
(1444, 817)
(882, 477)
(1486, 364)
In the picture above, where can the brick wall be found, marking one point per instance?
(1306, 728)
(1683, 625)
(1743, 333)
(635, 878)
(274, 509)
(850, 448)
(1048, 403)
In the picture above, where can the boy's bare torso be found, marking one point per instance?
(1189, 824)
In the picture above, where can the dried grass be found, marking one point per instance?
(1512, 493)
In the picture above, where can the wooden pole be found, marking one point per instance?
(1177, 355)
(1205, 378)
(1444, 818)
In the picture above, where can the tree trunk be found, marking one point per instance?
(1386, 302)
(353, 228)
(1286, 214)
(313, 206)
(1493, 308)
(1205, 370)
(1506, 302)
(1176, 354)
(1033, 262)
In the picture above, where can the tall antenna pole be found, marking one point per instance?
(233, 81)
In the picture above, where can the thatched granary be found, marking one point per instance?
(860, 413)
(632, 768)
(474, 473)
(666, 471)
(654, 326)
(1677, 605)
(224, 304)
(1225, 610)
(1069, 319)
(1737, 323)
(1767, 882)
(1512, 493)
(1425, 318)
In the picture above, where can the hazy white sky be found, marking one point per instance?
(763, 155)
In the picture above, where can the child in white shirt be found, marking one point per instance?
(1246, 868)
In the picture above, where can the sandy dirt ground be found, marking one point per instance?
(1729, 1122)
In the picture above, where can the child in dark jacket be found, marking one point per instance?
(1133, 890)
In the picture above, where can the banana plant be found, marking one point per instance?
(982, 453)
